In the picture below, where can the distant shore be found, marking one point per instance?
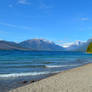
(73, 80)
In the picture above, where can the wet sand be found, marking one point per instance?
(73, 80)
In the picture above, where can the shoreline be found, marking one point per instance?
(17, 83)
(72, 80)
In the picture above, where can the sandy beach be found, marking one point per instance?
(74, 80)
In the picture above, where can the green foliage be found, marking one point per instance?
(89, 49)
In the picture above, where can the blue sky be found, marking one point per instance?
(58, 20)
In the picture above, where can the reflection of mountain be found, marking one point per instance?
(33, 44)
(41, 44)
(79, 46)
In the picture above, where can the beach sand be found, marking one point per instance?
(74, 80)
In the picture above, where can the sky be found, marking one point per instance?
(61, 21)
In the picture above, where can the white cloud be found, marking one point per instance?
(64, 44)
(67, 44)
(7, 24)
(43, 5)
(3, 32)
(15, 26)
(23, 2)
(84, 19)
(19, 2)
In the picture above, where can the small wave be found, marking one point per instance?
(57, 66)
(52, 66)
(25, 74)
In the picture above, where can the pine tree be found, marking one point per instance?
(89, 49)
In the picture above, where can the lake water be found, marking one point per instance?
(16, 66)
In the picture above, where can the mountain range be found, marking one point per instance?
(79, 46)
(33, 44)
(43, 45)
(6, 45)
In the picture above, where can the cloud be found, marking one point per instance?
(67, 44)
(64, 44)
(15, 26)
(23, 2)
(3, 32)
(84, 19)
(44, 5)
(19, 2)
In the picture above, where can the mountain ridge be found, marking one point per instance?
(32, 44)
(82, 46)
(43, 45)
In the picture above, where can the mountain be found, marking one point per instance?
(89, 49)
(41, 44)
(80, 46)
(6, 45)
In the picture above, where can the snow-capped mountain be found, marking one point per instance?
(41, 44)
(44, 45)
(79, 46)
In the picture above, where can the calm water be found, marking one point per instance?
(21, 65)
